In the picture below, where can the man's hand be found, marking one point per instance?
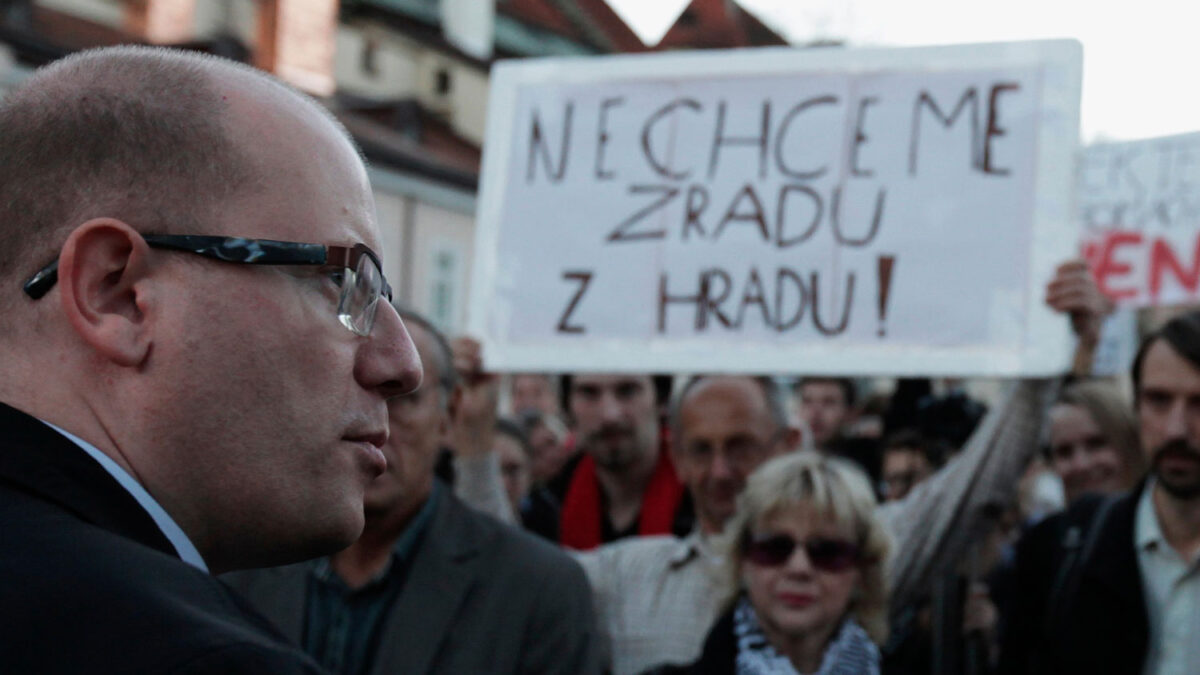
(979, 613)
(474, 421)
(1074, 290)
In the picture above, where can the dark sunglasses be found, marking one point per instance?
(827, 555)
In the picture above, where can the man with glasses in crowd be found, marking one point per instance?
(432, 585)
(196, 361)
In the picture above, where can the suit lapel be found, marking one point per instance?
(443, 570)
(42, 462)
(1113, 564)
(1113, 581)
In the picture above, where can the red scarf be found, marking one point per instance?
(581, 525)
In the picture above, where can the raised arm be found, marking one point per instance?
(472, 435)
(937, 522)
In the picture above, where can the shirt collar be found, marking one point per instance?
(408, 540)
(695, 545)
(1147, 535)
(170, 529)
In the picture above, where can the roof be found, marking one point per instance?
(704, 24)
(400, 134)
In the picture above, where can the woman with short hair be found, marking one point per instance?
(806, 583)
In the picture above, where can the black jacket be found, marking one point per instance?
(89, 584)
(1103, 628)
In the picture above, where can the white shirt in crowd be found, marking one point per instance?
(1171, 586)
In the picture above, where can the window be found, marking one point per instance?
(368, 59)
(444, 289)
(441, 82)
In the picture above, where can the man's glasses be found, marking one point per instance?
(743, 452)
(827, 555)
(360, 275)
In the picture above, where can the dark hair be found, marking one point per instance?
(849, 391)
(1182, 334)
(935, 451)
(510, 428)
(772, 396)
(951, 418)
(447, 376)
(662, 390)
(531, 420)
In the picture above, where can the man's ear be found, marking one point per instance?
(99, 271)
(453, 404)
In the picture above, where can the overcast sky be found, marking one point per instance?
(1141, 73)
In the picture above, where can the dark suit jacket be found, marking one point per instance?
(480, 597)
(89, 584)
(1105, 629)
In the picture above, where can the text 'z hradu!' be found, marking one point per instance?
(789, 215)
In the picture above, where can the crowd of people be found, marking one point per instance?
(205, 374)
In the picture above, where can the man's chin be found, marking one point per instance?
(721, 512)
(1179, 473)
(611, 457)
(305, 545)
(1180, 486)
(376, 506)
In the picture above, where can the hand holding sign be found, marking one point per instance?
(1073, 290)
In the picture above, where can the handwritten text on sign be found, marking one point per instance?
(1139, 203)
(723, 209)
(888, 208)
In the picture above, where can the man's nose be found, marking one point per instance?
(388, 360)
(610, 407)
(720, 468)
(1176, 426)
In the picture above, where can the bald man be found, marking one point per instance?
(195, 365)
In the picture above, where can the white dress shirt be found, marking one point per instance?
(1171, 587)
(170, 529)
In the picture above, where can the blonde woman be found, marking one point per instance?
(1094, 441)
(806, 579)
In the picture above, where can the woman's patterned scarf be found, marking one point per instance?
(851, 651)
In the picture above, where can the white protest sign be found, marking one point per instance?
(1139, 204)
(881, 211)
